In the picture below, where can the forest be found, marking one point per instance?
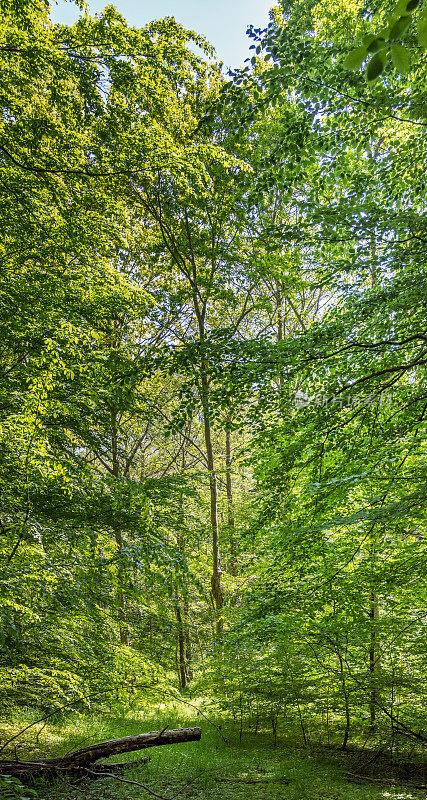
(213, 406)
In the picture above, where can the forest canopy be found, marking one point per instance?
(213, 350)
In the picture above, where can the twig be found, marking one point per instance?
(71, 785)
(124, 780)
(384, 781)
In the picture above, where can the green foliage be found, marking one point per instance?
(400, 58)
(82, 535)
(376, 66)
(422, 29)
(12, 789)
(395, 26)
(213, 329)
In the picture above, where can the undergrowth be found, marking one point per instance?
(219, 767)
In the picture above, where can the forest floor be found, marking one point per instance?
(214, 769)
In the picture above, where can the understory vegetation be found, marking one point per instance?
(227, 761)
(213, 400)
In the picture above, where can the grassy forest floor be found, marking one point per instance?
(216, 769)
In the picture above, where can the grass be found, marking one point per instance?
(211, 769)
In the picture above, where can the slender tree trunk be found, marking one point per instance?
(373, 152)
(120, 593)
(230, 507)
(346, 704)
(182, 667)
(184, 641)
(374, 612)
(280, 328)
(373, 658)
(217, 593)
(279, 318)
(187, 637)
(301, 721)
(347, 725)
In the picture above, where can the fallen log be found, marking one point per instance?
(79, 760)
(117, 768)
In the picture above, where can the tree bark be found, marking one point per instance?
(188, 648)
(217, 593)
(280, 328)
(346, 703)
(374, 614)
(182, 667)
(85, 757)
(184, 644)
(120, 593)
(230, 507)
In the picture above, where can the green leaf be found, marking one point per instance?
(376, 45)
(412, 4)
(355, 58)
(400, 8)
(399, 27)
(401, 58)
(376, 66)
(368, 39)
(422, 29)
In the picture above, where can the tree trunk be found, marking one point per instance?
(347, 725)
(217, 593)
(373, 658)
(184, 642)
(280, 328)
(230, 507)
(120, 593)
(82, 759)
(346, 704)
(187, 638)
(182, 667)
(374, 607)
